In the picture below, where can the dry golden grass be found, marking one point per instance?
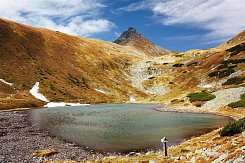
(43, 153)
(68, 68)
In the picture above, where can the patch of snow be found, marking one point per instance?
(103, 91)
(132, 99)
(206, 86)
(36, 94)
(1, 80)
(60, 104)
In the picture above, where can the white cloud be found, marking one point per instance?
(77, 17)
(223, 18)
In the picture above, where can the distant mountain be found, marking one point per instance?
(137, 41)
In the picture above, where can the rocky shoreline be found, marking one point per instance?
(164, 108)
(19, 140)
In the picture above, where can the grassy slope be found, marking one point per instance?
(68, 68)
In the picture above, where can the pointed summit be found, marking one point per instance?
(132, 29)
(137, 41)
(126, 36)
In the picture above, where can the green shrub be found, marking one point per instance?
(242, 96)
(225, 72)
(221, 67)
(152, 77)
(232, 66)
(174, 100)
(233, 128)
(200, 96)
(221, 73)
(236, 49)
(233, 61)
(178, 65)
(235, 80)
(240, 103)
(192, 63)
(178, 55)
(214, 73)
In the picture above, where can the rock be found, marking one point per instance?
(189, 155)
(131, 154)
(221, 158)
(239, 160)
(182, 157)
(126, 36)
(193, 159)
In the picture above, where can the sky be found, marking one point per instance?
(174, 24)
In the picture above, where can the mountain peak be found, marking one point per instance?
(126, 36)
(131, 29)
(137, 41)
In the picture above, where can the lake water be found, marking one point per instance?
(122, 127)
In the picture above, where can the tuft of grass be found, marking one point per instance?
(240, 103)
(43, 153)
(233, 128)
(200, 96)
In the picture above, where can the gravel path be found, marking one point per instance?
(224, 97)
(19, 140)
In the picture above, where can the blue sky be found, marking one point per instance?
(174, 24)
